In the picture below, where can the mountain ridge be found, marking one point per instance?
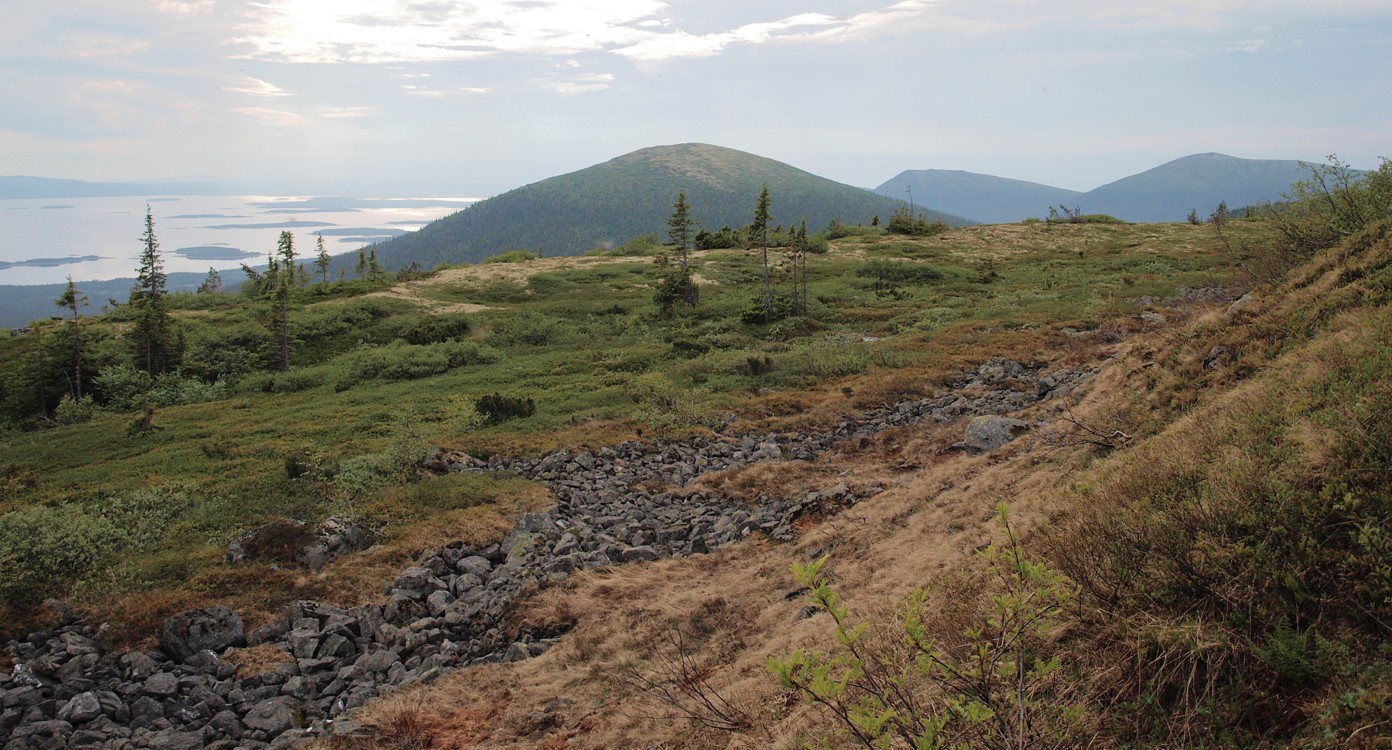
(630, 196)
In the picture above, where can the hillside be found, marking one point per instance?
(518, 505)
(979, 197)
(1194, 183)
(630, 196)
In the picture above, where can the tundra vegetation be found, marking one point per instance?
(1218, 578)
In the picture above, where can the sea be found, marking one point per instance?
(45, 240)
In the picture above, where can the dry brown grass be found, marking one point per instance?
(254, 660)
(738, 606)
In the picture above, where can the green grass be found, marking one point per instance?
(581, 342)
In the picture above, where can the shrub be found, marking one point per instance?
(497, 408)
(1334, 202)
(966, 671)
(676, 287)
(72, 411)
(435, 329)
(511, 256)
(904, 222)
(899, 272)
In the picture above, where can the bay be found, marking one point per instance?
(43, 240)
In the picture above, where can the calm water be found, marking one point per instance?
(194, 232)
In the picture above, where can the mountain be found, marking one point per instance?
(980, 197)
(1194, 183)
(631, 196)
(18, 186)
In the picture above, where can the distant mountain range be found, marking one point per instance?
(631, 196)
(982, 197)
(1166, 193)
(18, 186)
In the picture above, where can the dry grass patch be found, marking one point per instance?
(255, 660)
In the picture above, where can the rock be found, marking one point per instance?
(642, 553)
(1246, 303)
(273, 716)
(333, 539)
(210, 629)
(989, 432)
(174, 739)
(161, 685)
(81, 709)
(1218, 357)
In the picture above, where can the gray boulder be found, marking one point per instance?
(207, 629)
(989, 432)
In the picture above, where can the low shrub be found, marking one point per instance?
(497, 408)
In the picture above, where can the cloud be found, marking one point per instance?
(429, 93)
(185, 8)
(273, 116)
(346, 113)
(382, 31)
(1251, 46)
(586, 84)
(255, 87)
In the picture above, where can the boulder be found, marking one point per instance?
(206, 629)
(273, 716)
(989, 432)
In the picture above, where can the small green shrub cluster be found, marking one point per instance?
(898, 272)
(497, 408)
(402, 361)
(902, 221)
(435, 329)
(46, 550)
(511, 256)
(962, 670)
(125, 388)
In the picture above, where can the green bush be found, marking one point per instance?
(435, 329)
(899, 272)
(497, 408)
(511, 256)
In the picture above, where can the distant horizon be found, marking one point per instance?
(244, 189)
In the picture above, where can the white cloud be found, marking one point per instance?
(346, 113)
(1251, 46)
(586, 84)
(429, 93)
(185, 8)
(274, 116)
(389, 31)
(255, 87)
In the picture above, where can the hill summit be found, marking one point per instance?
(631, 196)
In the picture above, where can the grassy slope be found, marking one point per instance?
(583, 343)
(1232, 554)
(1302, 397)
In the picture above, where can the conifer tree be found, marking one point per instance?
(321, 262)
(283, 278)
(361, 267)
(71, 299)
(679, 226)
(374, 269)
(212, 284)
(150, 336)
(759, 232)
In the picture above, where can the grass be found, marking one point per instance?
(581, 338)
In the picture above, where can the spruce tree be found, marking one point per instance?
(71, 299)
(679, 226)
(150, 336)
(282, 278)
(321, 262)
(759, 232)
(212, 283)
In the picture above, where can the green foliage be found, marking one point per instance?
(435, 329)
(401, 361)
(511, 256)
(899, 272)
(497, 408)
(993, 683)
(52, 549)
(1333, 203)
(667, 406)
(151, 335)
(124, 388)
(902, 221)
(75, 411)
(675, 287)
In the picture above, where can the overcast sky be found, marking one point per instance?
(450, 95)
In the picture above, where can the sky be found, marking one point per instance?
(462, 97)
